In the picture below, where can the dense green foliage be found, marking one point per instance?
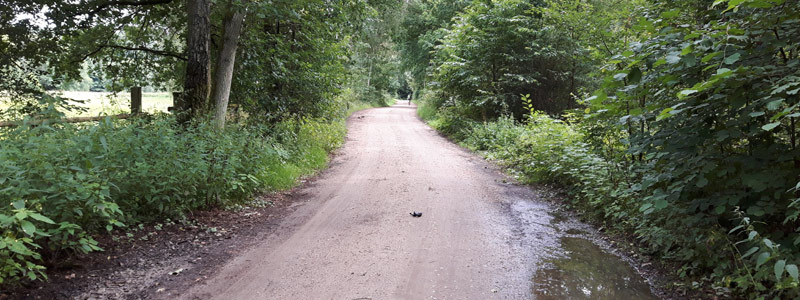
(485, 54)
(291, 60)
(66, 181)
(686, 139)
(294, 57)
(717, 95)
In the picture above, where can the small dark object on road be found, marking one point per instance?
(416, 214)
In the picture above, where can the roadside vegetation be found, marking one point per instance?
(283, 84)
(673, 123)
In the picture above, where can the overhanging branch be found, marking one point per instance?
(127, 3)
(148, 50)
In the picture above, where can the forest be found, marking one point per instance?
(671, 123)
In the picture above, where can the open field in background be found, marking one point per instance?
(99, 103)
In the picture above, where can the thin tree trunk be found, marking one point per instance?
(198, 64)
(225, 63)
(369, 74)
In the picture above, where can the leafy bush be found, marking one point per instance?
(65, 182)
(544, 149)
(425, 110)
(708, 110)
(548, 150)
(451, 122)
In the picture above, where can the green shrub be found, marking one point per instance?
(65, 182)
(544, 149)
(426, 110)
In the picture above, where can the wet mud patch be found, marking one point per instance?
(569, 258)
(587, 271)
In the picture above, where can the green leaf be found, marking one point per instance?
(750, 252)
(761, 259)
(710, 56)
(792, 270)
(104, 143)
(18, 204)
(5, 220)
(670, 14)
(723, 72)
(734, 4)
(684, 93)
(733, 58)
(769, 243)
(664, 114)
(686, 50)
(27, 227)
(19, 247)
(41, 218)
(702, 182)
(661, 203)
(757, 211)
(673, 58)
(635, 75)
(774, 105)
(779, 267)
(770, 126)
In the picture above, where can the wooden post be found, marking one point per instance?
(136, 100)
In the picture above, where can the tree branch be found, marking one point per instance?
(148, 50)
(127, 3)
(83, 58)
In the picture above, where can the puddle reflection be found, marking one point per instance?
(588, 272)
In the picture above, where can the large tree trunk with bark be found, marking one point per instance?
(196, 84)
(225, 63)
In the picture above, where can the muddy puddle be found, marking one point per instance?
(586, 271)
(569, 259)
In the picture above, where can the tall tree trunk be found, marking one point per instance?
(225, 63)
(196, 84)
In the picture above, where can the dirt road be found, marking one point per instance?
(478, 237)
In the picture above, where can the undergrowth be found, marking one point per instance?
(64, 183)
(726, 262)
